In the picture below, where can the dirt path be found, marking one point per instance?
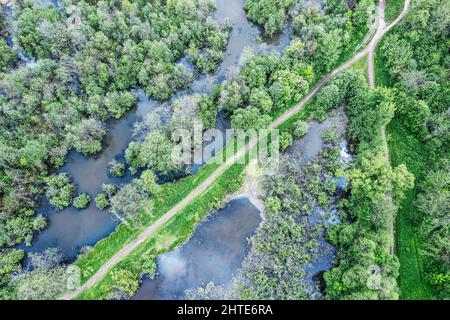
(210, 180)
(382, 29)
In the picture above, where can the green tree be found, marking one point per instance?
(287, 87)
(414, 114)
(249, 118)
(155, 153)
(86, 136)
(82, 201)
(207, 111)
(234, 94)
(269, 14)
(300, 128)
(7, 56)
(129, 203)
(147, 182)
(116, 169)
(117, 103)
(59, 190)
(125, 281)
(261, 99)
(326, 100)
(42, 284)
(329, 50)
(397, 54)
(285, 140)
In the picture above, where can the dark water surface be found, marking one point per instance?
(214, 252)
(71, 229)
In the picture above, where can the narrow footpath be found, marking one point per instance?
(369, 50)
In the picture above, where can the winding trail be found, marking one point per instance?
(369, 50)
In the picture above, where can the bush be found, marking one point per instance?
(117, 169)
(148, 263)
(125, 281)
(285, 140)
(82, 201)
(300, 128)
(147, 182)
(101, 201)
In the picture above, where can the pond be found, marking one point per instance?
(72, 229)
(213, 253)
(219, 244)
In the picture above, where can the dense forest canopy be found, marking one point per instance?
(66, 70)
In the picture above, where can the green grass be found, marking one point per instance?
(362, 64)
(405, 148)
(393, 9)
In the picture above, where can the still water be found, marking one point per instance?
(213, 253)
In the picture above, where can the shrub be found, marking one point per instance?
(59, 190)
(300, 128)
(82, 201)
(101, 201)
(117, 169)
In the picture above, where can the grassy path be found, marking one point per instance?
(406, 149)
